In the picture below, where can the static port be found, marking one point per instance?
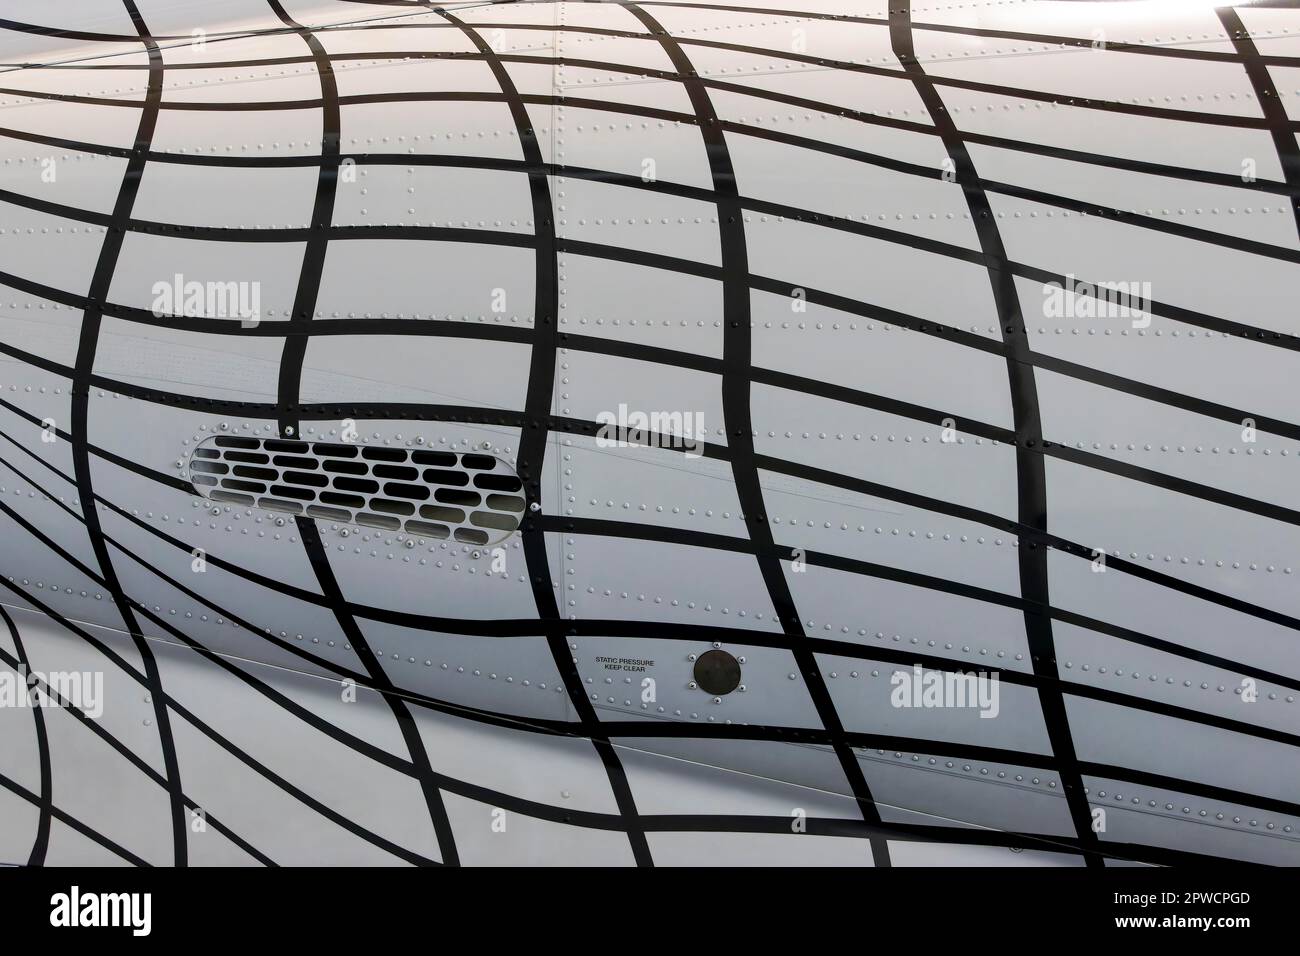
(717, 673)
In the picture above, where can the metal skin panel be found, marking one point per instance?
(930, 365)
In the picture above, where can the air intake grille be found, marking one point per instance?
(472, 498)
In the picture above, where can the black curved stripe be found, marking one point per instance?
(736, 383)
(183, 713)
(535, 429)
(91, 321)
(475, 414)
(290, 380)
(750, 638)
(1117, 162)
(96, 728)
(69, 820)
(672, 729)
(1031, 477)
(1028, 361)
(797, 734)
(41, 842)
(1155, 308)
(784, 467)
(1270, 102)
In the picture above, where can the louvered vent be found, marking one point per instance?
(472, 498)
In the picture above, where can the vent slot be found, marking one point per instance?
(230, 441)
(472, 498)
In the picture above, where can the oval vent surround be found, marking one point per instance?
(473, 498)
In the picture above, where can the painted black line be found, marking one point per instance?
(1169, 227)
(861, 486)
(745, 823)
(217, 36)
(1182, 486)
(1129, 164)
(1031, 478)
(1201, 320)
(1164, 396)
(1115, 106)
(688, 823)
(1204, 790)
(69, 820)
(430, 232)
(841, 648)
(495, 798)
(127, 754)
(101, 281)
(945, 748)
(290, 382)
(736, 385)
(967, 836)
(865, 740)
(1156, 308)
(1028, 605)
(997, 89)
(1228, 120)
(36, 29)
(274, 778)
(828, 63)
(1063, 40)
(313, 264)
(41, 842)
(898, 656)
(475, 414)
(1117, 162)
(1270, 102)
(840, 303)
(533, 438)
(355, 743)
